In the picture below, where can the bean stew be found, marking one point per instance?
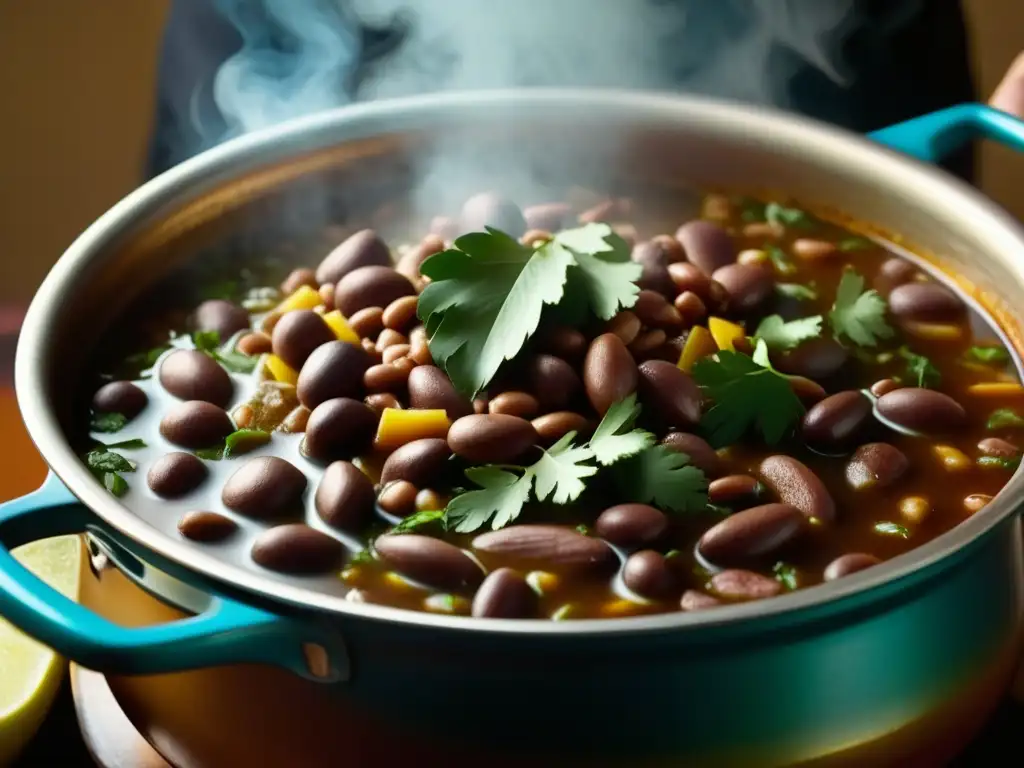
(549, 412)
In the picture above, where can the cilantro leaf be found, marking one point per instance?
(920, 369)
(560, 471)
(486, 295)
(114, 483)
(244, 440)
(797, 291)
(892, 529)
(232, 360)
(1002, 462)
(418, 520)
(747, 393)
(855, 244)
(775, 213)
(108, 461)
(751, 210)
(107, 422)
(989, 354)
(213, 453)
(782, 263)
(786, 575)
(858, 314)
(615, 437)
(1003, 418)
(778, 334)
(502, 495)
(206, 341)
(142, 362)
(664, 477)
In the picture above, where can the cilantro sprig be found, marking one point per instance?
(780, 335)
(857, 314)
(487, 294)
(108, 467)
(1001, 418)
(989, 355)
(107, 422)
(233, 360)
(920, 370)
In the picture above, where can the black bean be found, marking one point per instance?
(192, 375)
(297, 549)
(751, 535)
(362, 249)
(504, 594)
(120, 397)
(196, 424)
(339, 428)
(631, 525)
(429, 561)
(335, 369)
(206, 526)
(175, 474)
(222, 317)
(297, 334)
(264, 488)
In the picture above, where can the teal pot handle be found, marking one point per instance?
(935, 136)
(227, 632)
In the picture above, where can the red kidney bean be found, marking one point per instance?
(807, 390)
(298, 278)
(744, 585)
(370, 287)
(649, 575)
(670, 393)
(192, 375)
(368, 322)
(421, 462)
(753, 534)
(836, 421)
(362, 249)
(297, 549)
(400, 314)
(876, 465)
(345, 498)
(521, 404)
(566, 343)
(921, 410)
(892, 273)
(996, 446)
(654, 277)
(297, 334)
(491, 438)
(847, 564)
(334, 369)
(206, 526)
(489, 209)
(748, 286)
(553, 381)
(552, 427)
(928, 302)
(430, 387)
(429, 561)
(550, 217)
(819, 358)
(693, 600)
(223, 317)
(701, 454)
(647, 344)
(175, 474)
(654, 311)
(609, 372)
(795, 484)
(254, 344)
(196, 424)
(264, 487)
(504, 594)
(552, 547)
(690, 308)
(884, 387)
(631, 525)
(120, 397)
(733, 489)
(386, 377)
(690, 277)
(398, 498)
(707, 245)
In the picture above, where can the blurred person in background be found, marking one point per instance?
(228, 66)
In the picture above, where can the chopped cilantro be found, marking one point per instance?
(751, 210)
(107, 466)
(486, 295)
(664, 477)
(143, 361)
(857, 314)
(107, 422)
(989, 354)
(418, 520)
(615, 437)
(213, 453)
(747, 393)
(361, 557)
(560, 471)
(775, 213)
(232, 360)
(114, 483)
(127, 445)
(500, 499)
(797, 291)
(892, 529)
(244, 440)
(920, 370)
(1000, 462)
(583, 529)
(786, 575)
(778, 334)
(782, 263)
(206, 341)
(1003, 418)
(855, 244)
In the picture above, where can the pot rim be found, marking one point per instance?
(360, 121)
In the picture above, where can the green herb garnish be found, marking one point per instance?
(855, 244)
(232, 360)
(1003, 418)
(213, 453)
(107, 422)
(486, 295)
(1000, 462)
(664, 477)
(797, 291)
(989, 354)
(583, 529)
(418, 520)
(775, 213)
(920, 370)
(244, 440)
(107, 466)
(615, 438)
(786, 575)
(857, 314)
(114, 483)
(780, 335)
(718, 509)
(892, 529)
(782, 263)
(747, 393)
(143, 361)
(126, 445)
(751, 210)
(362, 557)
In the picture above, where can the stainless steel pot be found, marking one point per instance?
(820, 674)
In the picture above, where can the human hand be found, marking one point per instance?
(1009, 94)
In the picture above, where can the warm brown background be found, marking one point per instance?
(77, 82)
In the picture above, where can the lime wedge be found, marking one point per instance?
(30, 673)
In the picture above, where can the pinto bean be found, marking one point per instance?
(626, 326)
(398, 498)
(732, 489)
(551, 547)
(552, 427)
(373, 286)
(743, 585)
(654, 311)
(693, 600)
(795, 484)
(429, 561)
(521, 404)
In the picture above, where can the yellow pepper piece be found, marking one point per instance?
(699, 344)
(725, 333)
(337, 323)
(399, 426)
(304, 298)
(280, 370)
(996, 389)
(933, 331)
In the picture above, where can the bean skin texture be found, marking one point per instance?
(609, 372)
(362, 249)
(847, 564)
(429, 387)
(420, 462)
(505, 594)
(552, 381)
(429, 561)
(876, 465)
(755, 533)
(491, 438)
(795, 484)
(345, 498)
(744, 585)
(297, 549)
(120, 397)
(693, 600)
(649, 575)
(631, 525)
(921, 410)
(707, 245)
(701, 454)
(732, 489)
(836, 421)
(372, 286)
(552, 547)
(206, 526)
(928, 302)
(192, 375)
(297, 334)
(670, 393)
(748, 287)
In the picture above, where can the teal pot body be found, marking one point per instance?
(926, 641)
